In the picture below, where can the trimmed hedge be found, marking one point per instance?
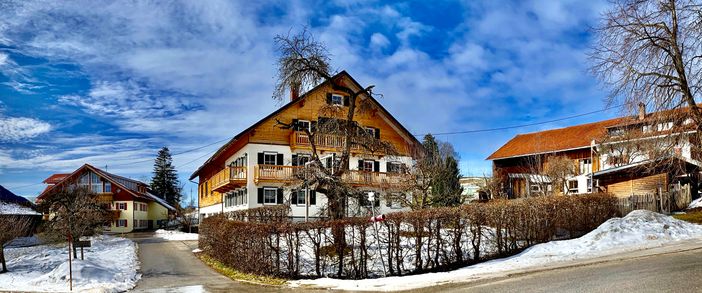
(406, 242)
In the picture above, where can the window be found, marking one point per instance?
(269, 158)
(269, 195)
(589, 185)
(585, 166)
(108, 187)
(121, 206)
(615, 131)
(647, 128)
(573, 186)
(370, 131)
(298, 196)
(121, 223)
(393, 167)
(303, 124)
(364, 202)
(367, 166)
(337, 99)
(300, 159)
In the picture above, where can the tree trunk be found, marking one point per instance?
(2, 259)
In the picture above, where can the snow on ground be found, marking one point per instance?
(695, 204)
(638, 230)
(7, 208)
(110, 265)
(175, 235)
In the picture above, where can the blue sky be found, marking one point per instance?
(110, 83)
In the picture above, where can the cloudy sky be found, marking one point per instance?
(110, 83)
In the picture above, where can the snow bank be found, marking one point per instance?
(110, 265)
(7, 208)
(638, 230)
(695, 204)
(175, 235)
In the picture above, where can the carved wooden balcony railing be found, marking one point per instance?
(228, 179)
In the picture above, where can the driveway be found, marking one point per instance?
(170, 266)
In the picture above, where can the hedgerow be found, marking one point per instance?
(405, 243)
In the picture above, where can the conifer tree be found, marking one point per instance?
(165, 183)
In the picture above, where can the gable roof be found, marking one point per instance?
(55, 178)
(9, 197)
(554, 140)
(222, 149)
(108, 176)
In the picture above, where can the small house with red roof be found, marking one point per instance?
(132, 206)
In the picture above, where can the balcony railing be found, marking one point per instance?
(274, 173)
(277, 173)
(228, 178)
(323, 141)
(105, 197)
(375, 179)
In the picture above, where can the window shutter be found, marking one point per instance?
(279, 200)
(387, 167)
(313, 197)
(294, 160)
(313, 126)
(293, 196)
(377, 133)
(279, 160)
(329, 98)
(360, 164)
(329, 162)
(376, 166)
(260, 158)
(260, 195)
(294, 125)
(346, 101)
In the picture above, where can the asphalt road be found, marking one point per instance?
(170, 266)
(672, 272)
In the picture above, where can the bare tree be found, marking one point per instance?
(650, 52)
(302, 64)
(11, 227)
(559, 169)
(74, 212)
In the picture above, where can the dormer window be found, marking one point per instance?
(665, 126)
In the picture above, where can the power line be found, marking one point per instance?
(173, 155)
(522, 125)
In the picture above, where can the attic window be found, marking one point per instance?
(337, 99)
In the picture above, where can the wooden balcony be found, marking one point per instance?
(375, 179)
(299, 139)
(228, 179)
(274, 173)
(105, 197)
(286, 174)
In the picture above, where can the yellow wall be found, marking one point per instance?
(154, 212)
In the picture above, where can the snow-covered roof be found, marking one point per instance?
(160, 201)
(8, 208)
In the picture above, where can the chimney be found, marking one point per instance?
(294, 91)
(642, 111)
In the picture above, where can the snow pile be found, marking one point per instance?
(8, 208)
(175, 235)
(638, 230)
(24, 241)
(110, 265)
(695, 204)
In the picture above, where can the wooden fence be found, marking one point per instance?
(677, 198)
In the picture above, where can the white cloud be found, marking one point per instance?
(378, 41)
(3, 58)
(21, 128)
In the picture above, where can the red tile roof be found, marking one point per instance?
(55, 178)
(553, 140)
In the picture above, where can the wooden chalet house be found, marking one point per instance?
(604, 160)
(131, 204)
(256, 167)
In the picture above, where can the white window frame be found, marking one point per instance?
(340, 100)
(399, 167)
(370, 130)
(297, 196)
(307, 122)
(275, 195)
(573, 189)
(275, 158)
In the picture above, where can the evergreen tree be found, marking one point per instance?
(446, 188)
(165, 182)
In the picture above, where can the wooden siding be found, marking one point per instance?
(637, 186)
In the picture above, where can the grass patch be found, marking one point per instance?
(237, 275)
(692, 217)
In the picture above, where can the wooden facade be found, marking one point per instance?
(310, 107)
